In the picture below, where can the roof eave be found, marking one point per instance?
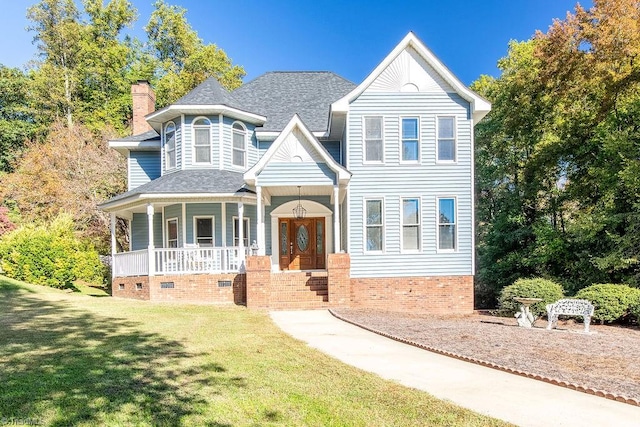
(124, 147)
(144, 197)
(157, 118)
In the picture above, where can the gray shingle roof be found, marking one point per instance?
(209, 92)
(191, 181)
(279, 95)
(149, 135)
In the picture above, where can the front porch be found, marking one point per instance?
(164, 261)
(257, 286)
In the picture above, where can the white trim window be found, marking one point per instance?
(410, 139)
(446, 139)
(447, 224)
(239, 154)
(246, 237)
(373, 139)
(374, 225)
(411, 224)
(170, 145)
(202, 141)
(172, 233)
(203, 231)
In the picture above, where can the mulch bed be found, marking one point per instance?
(606, 359)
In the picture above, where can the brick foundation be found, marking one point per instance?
(200, 288)
(434, 295)
(194, 288)
(136, 287)
(261, 289)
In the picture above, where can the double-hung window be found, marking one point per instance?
(373, 139)
(447, 224)
(203, 230)
(202, 141)
(410, 140)
(239, 145)
(446, 139)
(374, 226)
(172, 233)
(170, 145)
(410, 224)
(245, 232)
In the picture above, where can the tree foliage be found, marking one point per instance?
(558, 158)
(71, 171)
(183, 59)
(18, 119)
(6, 224)
(56, 118)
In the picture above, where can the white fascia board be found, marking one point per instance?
(177, 197)
(251, 174)
(156, 118)
(124, 147)
(272, 135)
(479, 106)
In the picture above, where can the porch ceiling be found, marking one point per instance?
(305, 190)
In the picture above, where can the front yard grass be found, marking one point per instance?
(71, 359)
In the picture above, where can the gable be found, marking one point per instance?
(402, 68)
(409, 72)
(296, 160)
(296, 148)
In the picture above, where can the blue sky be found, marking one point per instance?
(346, 37)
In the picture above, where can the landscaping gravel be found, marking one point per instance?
(606, 359)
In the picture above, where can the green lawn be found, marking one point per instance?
(76, 359)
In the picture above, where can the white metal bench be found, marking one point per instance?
(570, 307)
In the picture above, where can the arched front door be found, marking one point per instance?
(302, 243)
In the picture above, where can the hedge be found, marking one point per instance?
(612, 302)
(49, 255)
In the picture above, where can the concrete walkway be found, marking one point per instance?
(521, 401)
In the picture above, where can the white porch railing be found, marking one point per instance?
(178, 261)
(197, 260)
(134, 263)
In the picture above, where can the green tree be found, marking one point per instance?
(183, 60)
(17, 117)
(104, 95)
(57, 35)
(558, 157)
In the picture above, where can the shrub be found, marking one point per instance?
(635, 307)
(548, 290)
(612, 302)
(48, 255)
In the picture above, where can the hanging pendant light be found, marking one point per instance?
(299, 212)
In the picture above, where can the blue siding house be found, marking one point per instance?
(305, 190)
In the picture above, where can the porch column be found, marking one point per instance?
(241, 232)
(112, 217)
(260, 221)
(336, 218)
(151, 248)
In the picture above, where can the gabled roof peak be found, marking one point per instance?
(479, 106)
(296, 122)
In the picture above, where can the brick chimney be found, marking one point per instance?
(144, 102)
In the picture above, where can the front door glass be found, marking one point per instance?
(302, 238)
